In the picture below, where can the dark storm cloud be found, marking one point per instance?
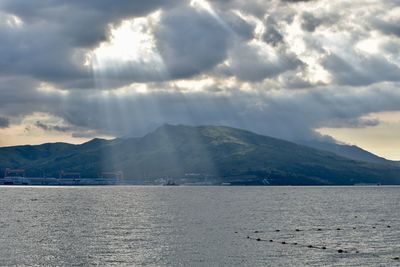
(50, 46)
(369, 69)
(19, 97)
(351, 123)
(47, 45)
(285, 115)
(252, 63)
(291, 116)
(50, 127)
(4, 122)
(390, 27)
(83, 23)
(310, 22)
(191, 41)
(391, 47)
(54, 37)
(272, 34)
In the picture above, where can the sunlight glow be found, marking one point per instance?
(370, 45)
(11, 20)
(48, 88)
(203, 5)
(129, 42)
(40, 128)
(195, 85)
(314, 71)
(129, 90)
(131, 49)
(206, 6)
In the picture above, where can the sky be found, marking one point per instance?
(297, 70)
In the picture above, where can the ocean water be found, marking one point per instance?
(199, 226)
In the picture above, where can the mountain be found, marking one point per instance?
(347, 151)
(216, 154)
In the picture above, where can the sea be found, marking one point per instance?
(199, 226)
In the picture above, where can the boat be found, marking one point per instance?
(170, 183)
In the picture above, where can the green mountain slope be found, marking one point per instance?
(218, 154)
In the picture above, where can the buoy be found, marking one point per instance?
(373, 227)
(354, 228)
(248, 237)
(271, 240)
(319, 229)
(338, 229)
(277, 230)
(323, 247)
(388, 226)
(236, 232)
(340, 251)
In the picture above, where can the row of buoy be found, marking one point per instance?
(316, 229)
(297, 244)
(340, 251)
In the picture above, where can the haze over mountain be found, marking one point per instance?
(348, 151)
(186, 153)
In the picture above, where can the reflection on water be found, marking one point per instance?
(201, 226)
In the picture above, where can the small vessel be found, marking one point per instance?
(170, 183)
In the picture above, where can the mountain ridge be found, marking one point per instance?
(348, 151)
(217, 153)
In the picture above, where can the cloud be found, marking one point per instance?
(238, 25)
(67, 18)
(4, 122)
(191, 40)
(365, 70)
(310, 21)
(54, 36)
(390, 27)
(290, 115)
(257, 61)
(50, 127)
(272, 35)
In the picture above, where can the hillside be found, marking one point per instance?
(348, 151)
(218, 154)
